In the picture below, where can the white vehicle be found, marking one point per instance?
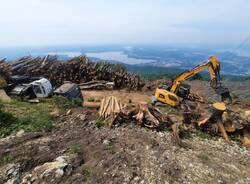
(42, 88)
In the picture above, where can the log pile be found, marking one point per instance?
(110, 106)
(4, 69)
(4, 73)
(97, 85)
(78, 70)
(142, 115)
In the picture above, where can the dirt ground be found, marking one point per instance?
(81, 149)
(124, 95)
(126, 154)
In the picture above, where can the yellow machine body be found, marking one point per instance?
(167, 97)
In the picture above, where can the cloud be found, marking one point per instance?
(51, 22)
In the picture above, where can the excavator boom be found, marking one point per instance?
(213, 66)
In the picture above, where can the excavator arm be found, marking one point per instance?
(213, 66)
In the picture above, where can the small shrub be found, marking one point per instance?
(146, 129)
(168, 109)
(130, 101)
(75, 149)
(185, 135)
(64, 103)
(204, 157)
(91, 99)
(205, 135)
(100, 123)
(110, 148)
(6, 159)
(77, 102)
(98, 100)
(87, 172)
(162, 126)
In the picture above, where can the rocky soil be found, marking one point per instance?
(80, 150)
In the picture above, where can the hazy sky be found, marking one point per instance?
(53, 22)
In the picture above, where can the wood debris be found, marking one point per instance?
(224, 122)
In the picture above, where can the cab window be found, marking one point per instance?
(161, 96)
(173, 98)
(43, 89)
(37, 89)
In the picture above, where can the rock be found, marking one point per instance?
(20, 133)
(247, 114)
(82, 117)
(4, 97)
(9, 172)
(106, 142)
(15, 180)
(50, 171)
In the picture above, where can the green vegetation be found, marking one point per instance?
(91, 99)
(6, 159)
(152, 77)
(88, 172)
(18, 115)
(110, 148)
(204, 157)
(198, 133)
(100, 123)
(205, 135)
(64, 103)
(162, 127)
(185, 134)
(170, 76)
(75, 149)
(168, 109)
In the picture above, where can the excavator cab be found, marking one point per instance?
(166, 97)
(183, 90)
(163, 95)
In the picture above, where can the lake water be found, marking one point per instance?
(117, 56)
(69, 54)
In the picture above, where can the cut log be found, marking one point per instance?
(92, 104)
(223, 131)
(109, 107)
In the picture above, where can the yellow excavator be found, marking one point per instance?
(173, 93)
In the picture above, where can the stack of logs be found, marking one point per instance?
(78, 70)
(4, 69)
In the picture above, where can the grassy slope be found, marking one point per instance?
(18, 115)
